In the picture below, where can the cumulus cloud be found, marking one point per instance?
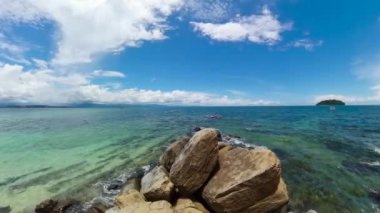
(263, 29)
(306, 43)
(208, 10)
(45, 86)
(108, 73)
(88, 28)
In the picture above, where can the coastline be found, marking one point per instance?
(114, 189)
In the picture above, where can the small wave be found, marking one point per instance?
(236, 141)
(376, 149)
(375, 163)
(111, 188)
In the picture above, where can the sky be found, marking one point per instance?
(189, 52)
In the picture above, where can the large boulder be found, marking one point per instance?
(194, 165)
(244, 177)
(131, 198)
(134, 202)
(167, 159)
(272, 203)
(161, 206)
(186, 205)
(156, 185)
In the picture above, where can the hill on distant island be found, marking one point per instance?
(331, 102)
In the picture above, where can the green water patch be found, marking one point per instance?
(47, 177)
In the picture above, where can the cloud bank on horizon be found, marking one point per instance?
(82, 33)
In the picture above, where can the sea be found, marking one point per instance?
(330, 158)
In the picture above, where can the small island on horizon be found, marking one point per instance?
(331, 102)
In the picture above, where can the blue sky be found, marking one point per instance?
(194, 52)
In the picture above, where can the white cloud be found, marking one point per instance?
(12, 51)
(306, 43)
(208, 10)
(45, 86)
(108, 73)
(92, 27)
(263, 29)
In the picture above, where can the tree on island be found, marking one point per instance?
(331, 102)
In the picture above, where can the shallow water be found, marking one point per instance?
(330, 159)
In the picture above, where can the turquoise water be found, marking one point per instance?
(330, 159)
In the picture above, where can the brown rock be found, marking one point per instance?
(167, 159)
(131, 198)
(224, 148)
(133, 183)
(98, 207)
(194, 165)
(57, 206)
(271, 203)
(156, 185)
(186, 205)
(244, 178)
(161, 206)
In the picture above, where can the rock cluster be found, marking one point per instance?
(203, 174)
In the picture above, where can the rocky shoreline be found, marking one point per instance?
(201, 173)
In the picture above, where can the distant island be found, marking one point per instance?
(331, 102)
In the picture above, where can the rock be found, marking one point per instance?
(156, 185)
(375, 194)
(161, 206)
(60, 206)
(244, 178)
(272, 203)
(133, 183)
(112, 210)
(99, 206)
(196, 162)
(5, 209)
(223, 148)
(186, 205)
(167, 159)
(311, 211)
(131, 198)
(221, 145)
(196, 129)
(46, 206)
(115, 185)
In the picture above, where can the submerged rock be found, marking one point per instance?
(361, 167)
(115, 185)
(156, 185)
(375, 194)
(194, 165)
(167, 159)
(244, 178)
(5, 209)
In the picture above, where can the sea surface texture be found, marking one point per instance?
(330, 159)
